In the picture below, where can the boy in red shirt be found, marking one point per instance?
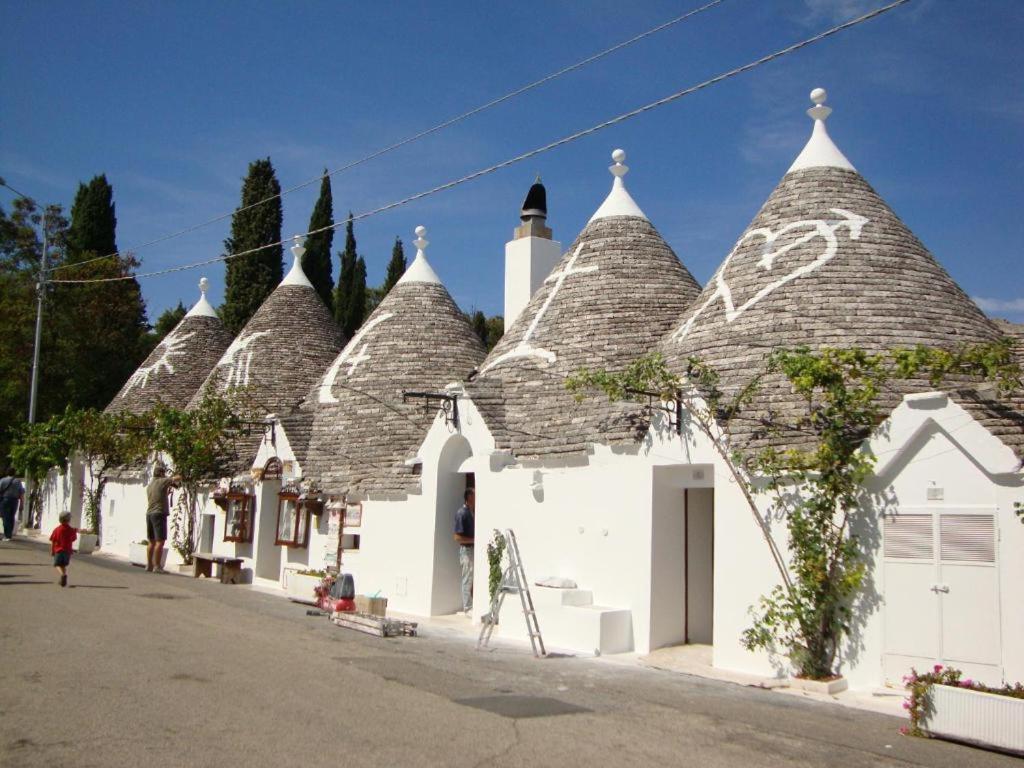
(61, 539)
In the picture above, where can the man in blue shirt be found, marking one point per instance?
(465, 529)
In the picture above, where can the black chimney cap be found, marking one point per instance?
(536, 203)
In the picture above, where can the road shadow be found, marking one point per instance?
(27, 565)
(93, 586)
(27, 581)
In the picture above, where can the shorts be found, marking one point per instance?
(61, 559)
(156, 527)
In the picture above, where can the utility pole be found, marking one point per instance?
(41, 294)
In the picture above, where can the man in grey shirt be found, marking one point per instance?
(11, 494)
(157, 496)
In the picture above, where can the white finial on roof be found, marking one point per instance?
(819, 151)
(202, 308)
(618, 202)
(420, 270)
(295, 275)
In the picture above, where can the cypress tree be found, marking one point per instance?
(100, 327)
(93, 222)
(355, 312)
(346, 275)
(251, 278)
(396, 267)
(479, 322)
(316, 262)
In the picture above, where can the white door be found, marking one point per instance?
(941, 593)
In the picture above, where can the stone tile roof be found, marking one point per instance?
(824, 263)
(362, 435)
(174, 371)
(298, 426)
(279, 355)
(615, 292)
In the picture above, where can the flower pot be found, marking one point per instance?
(984, 719)
(300, 586)
(85, 543)
(825, 687)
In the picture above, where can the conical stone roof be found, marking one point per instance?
(416, 340)
(825, 262)
(616, 291)
(279, 354)
(178, 365)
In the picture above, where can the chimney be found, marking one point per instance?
(530, 255)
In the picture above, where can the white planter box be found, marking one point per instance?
(137, 555)
(85, 543)
(979, 718)
(824, 687)
(300, 587)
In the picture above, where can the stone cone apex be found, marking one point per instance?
(825, 262)
(363, 432)
(296, 275)
(820, 151)
(619, 202)
(420, 270)
(611, 297)
(181, 361)
(279, 354)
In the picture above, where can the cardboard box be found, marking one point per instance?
(377, 606)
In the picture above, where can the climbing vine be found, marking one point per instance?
(495, 551)
(808, 614)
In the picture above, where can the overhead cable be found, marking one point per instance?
(422, 134)
(532, 153)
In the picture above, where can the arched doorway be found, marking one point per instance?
(445, 594)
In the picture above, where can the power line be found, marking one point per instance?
(422, 134)
(532, 153)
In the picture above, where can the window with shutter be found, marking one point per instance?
(909, 537)
(969, 538)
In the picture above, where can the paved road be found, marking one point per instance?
(126, 668)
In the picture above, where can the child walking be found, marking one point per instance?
(61, 539)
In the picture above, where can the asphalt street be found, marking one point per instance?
(125, 668)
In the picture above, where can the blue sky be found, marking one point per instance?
(173, 100)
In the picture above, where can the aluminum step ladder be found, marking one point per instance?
(513, 582)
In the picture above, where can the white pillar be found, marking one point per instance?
(528, 260)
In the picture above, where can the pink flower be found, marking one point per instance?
(904, 730)
(938, 668)
(906, 705)
(968, 683)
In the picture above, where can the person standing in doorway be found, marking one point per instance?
(156, 516)
(465, 529)
(12, 492)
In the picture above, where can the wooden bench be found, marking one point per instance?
(230, 568)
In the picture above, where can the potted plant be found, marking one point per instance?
(945, 705)
(85, 544)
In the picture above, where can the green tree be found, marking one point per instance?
(251, 278)
(479, 322)
(396, 267)
(495, 330)
(104, 441)
(346, 274)
(355, 312)
(317, 260)
(93, 221)
(100, 327)
(20, 253)
(35, 449)
(199, 442)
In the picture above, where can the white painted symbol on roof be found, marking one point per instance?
(239, 357)
(826, 230)
(325, 394)
(524, 348)
(171, 344)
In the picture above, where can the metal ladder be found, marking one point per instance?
(513, 581)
